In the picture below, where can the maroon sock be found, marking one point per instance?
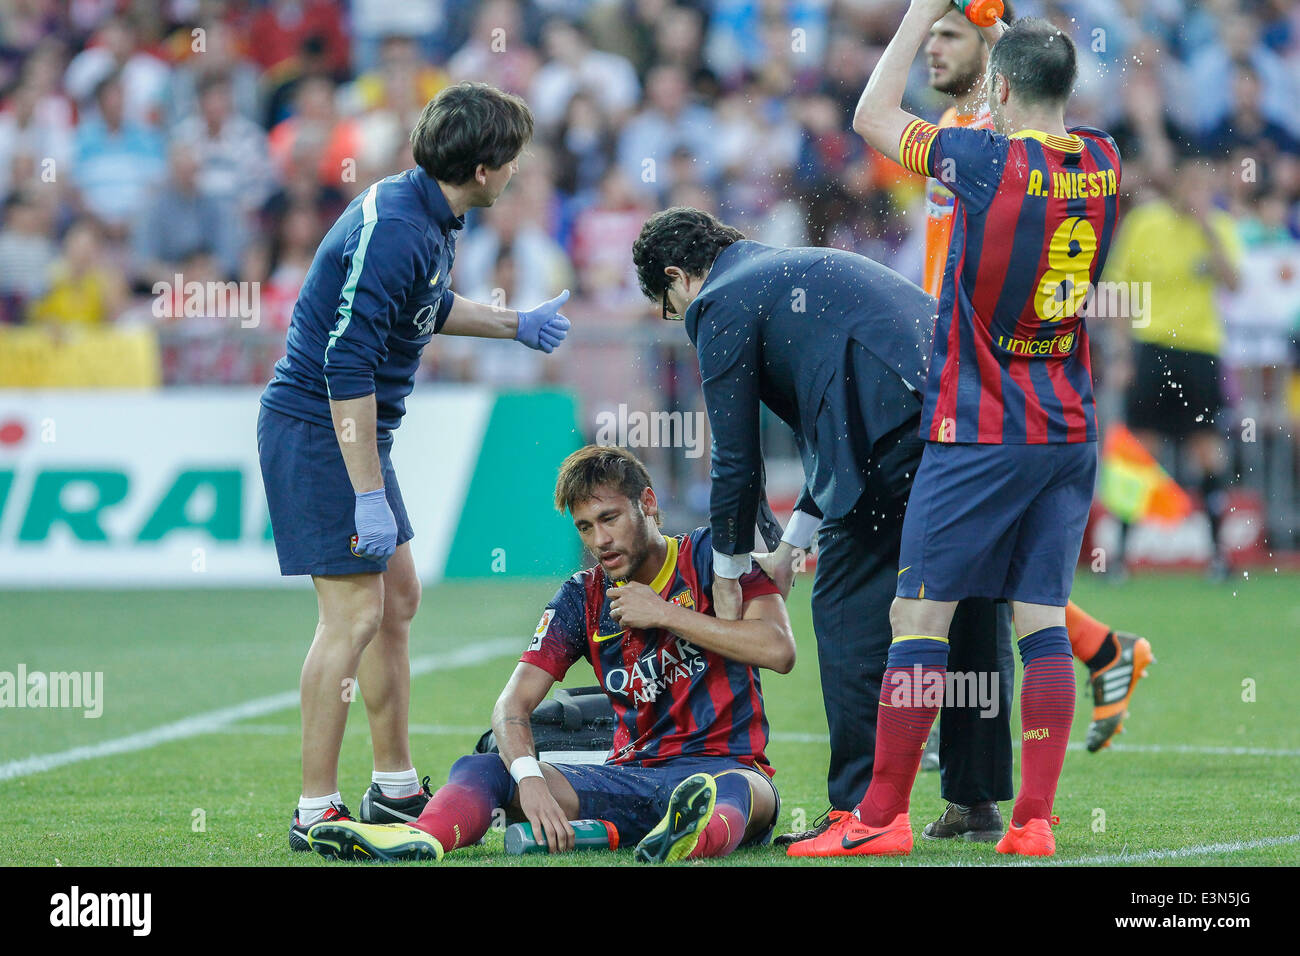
(456, 816)
(901, 732)
(723, 834)
(1046, 713)
(461, 811)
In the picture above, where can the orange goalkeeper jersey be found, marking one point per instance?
(939, 203)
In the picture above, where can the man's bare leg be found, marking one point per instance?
(384, 673)
(351, 608)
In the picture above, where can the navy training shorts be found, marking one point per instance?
(310, 497)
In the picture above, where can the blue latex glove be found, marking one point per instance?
(543, 328)
(376, 526)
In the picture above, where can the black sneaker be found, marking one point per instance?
(298, 833)
(377, 808)
(981, 823)
(820, 826)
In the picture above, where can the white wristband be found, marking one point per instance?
(801, 530)
(525, 767)
(731, 565)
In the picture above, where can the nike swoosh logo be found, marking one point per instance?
(854, 844)
(404, 817)
(608, 637)
(908, 568)
(434, 280)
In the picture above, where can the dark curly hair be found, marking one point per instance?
(681, 236)
(467, 124)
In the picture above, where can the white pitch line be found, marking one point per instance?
(1150, 856)
(477, 653)
(1197, 749)
(1192, 749)
(278, 730)
(1206, 849)
(796, 737)
(791, 737)
(216, 720)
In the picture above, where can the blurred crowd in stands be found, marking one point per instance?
(146, 140)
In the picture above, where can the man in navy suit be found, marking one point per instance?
(835, 345)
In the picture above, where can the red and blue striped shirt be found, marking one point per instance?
(1032, 226)
(671, 698)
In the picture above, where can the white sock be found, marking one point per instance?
(312, 809)
(397, 783)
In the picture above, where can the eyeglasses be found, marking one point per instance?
(669, 316)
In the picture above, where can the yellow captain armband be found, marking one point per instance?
(914, 147)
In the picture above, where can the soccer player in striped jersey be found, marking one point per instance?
(687, 776)
(957, 58)
(1002, 494)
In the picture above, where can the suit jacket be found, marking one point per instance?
(836, 345)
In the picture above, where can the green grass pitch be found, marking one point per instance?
(1204, 775)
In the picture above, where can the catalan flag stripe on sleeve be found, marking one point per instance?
(914, 147)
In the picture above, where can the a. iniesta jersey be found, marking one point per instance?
(379, 288)
(671, 698)
(1033, 220)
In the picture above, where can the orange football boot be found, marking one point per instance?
(1035, 838)
(1113, 686)
(849, 836)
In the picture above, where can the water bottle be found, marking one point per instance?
(982, 13)
(587, 835)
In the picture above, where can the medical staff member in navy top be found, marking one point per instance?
(378, 290)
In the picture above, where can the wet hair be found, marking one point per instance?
(1038, 60)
